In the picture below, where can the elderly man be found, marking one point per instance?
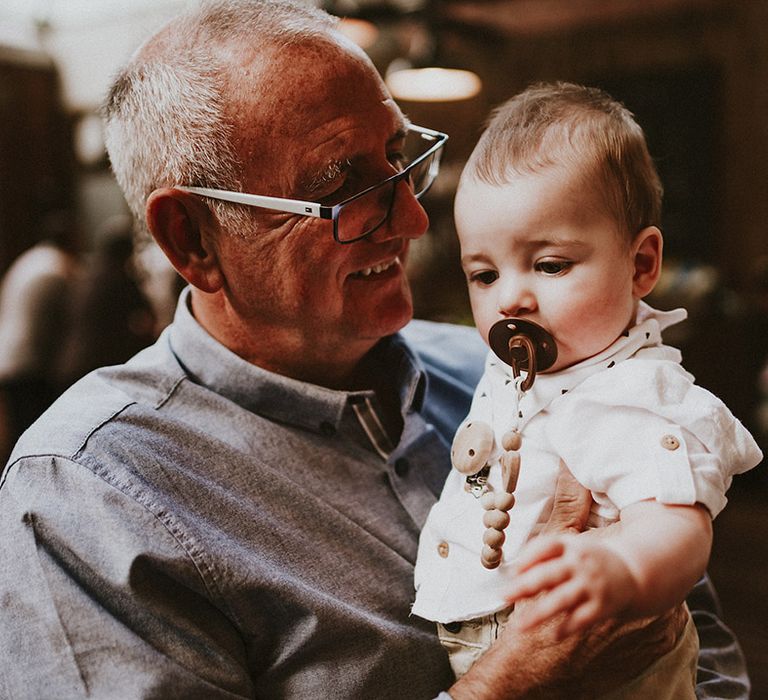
(235, 512)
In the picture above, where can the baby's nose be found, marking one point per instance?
(516, 299)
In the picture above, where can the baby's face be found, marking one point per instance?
(541, 248)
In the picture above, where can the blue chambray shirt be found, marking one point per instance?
(189, 525)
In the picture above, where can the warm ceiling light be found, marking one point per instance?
(433, 84)
(361, 31)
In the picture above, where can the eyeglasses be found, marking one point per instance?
(360, 215)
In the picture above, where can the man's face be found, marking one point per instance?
(332, 130)
(540, 247)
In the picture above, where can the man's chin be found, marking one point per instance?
(389, 321)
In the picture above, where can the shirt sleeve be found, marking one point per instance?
(643, 430)
(452, 357)
(722, 670)
(98, 597)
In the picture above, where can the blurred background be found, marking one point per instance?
(694, 72)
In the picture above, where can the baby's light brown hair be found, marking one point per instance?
(583, 129)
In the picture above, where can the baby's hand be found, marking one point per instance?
(576, 578)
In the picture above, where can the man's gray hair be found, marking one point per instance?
(165, 114)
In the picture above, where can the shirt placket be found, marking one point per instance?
(372, 426)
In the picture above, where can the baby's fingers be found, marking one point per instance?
(537, 579)
(563, 599)
(539, 550)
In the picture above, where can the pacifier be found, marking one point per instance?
(524, 346)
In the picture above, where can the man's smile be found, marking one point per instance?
(375, 269)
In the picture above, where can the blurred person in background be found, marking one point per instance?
(111, 318)
(34, 306)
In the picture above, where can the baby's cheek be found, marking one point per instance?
(483, 315)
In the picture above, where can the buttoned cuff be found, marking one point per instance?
(683, 473)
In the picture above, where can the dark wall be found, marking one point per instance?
(694, 71)
(36, 162)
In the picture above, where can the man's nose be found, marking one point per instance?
(516, 298)
(407, 218)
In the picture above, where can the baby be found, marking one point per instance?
(557, 213)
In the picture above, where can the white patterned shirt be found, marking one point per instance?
(629, 423)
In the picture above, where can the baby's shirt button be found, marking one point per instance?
(670, 442)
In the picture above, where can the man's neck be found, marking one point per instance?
(341, 366)
(315, 360)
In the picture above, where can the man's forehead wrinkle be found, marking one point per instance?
(269, 112)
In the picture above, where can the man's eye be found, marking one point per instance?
(398, 160)
(341, 189)
(553, 267)
(332, 185)
(486, 277)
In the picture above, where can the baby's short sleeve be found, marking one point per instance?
(643, 430)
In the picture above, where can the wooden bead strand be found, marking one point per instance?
(512, 440)
(524, 346)
(498, 504)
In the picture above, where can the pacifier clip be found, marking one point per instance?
(523, 346)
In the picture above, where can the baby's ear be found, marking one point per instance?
(647, 249)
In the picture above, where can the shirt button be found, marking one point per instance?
(442, 549)
(670, 442)
(401, 466)
(327, 429)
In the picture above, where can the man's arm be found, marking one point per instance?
(98, 599)
(722, 668)
(537, 664)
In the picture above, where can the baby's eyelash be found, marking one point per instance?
(553, 267)
(484, 277)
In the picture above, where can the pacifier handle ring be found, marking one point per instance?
(542, 345)
(521, 340)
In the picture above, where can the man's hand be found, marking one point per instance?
(571, 506)
(526, 665)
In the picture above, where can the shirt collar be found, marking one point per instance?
(646, 333)
(209, 363)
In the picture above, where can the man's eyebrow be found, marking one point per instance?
(318, 179)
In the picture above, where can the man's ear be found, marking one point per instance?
(647, 248)
(184, 228)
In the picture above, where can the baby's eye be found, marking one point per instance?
(553, 267)
(485, 277)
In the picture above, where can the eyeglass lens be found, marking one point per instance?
(365, 214)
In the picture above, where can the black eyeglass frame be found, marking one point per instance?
(324, 211)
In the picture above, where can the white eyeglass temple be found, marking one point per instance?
(293, 206)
